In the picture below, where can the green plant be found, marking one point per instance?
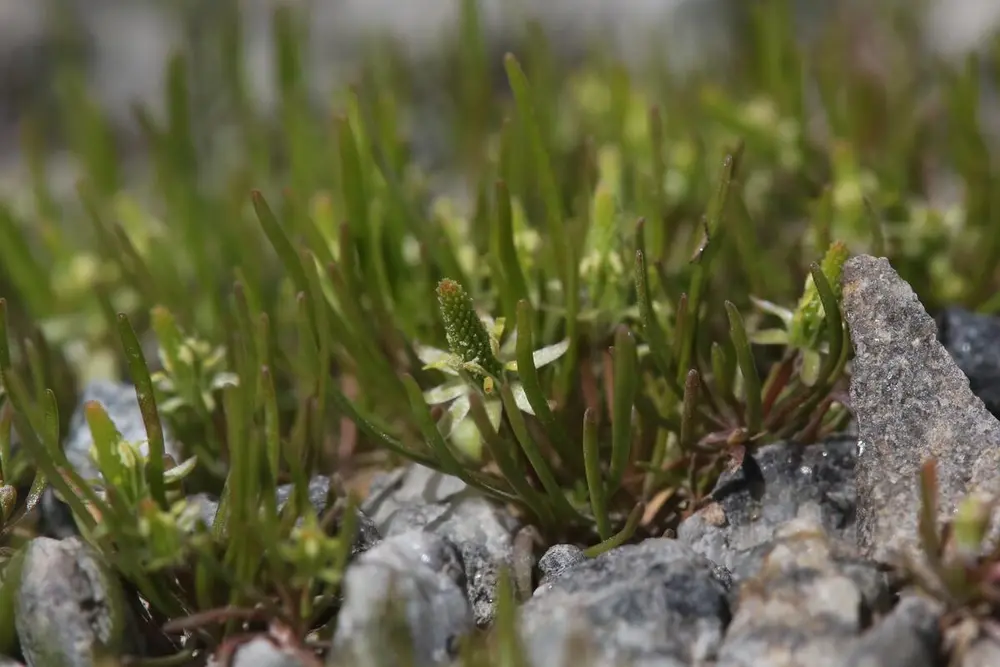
(958, 565)
(476, 362)
(197, 579)
(640, 288)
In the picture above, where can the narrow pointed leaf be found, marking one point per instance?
(531, 383)
(651, 330)
(534, 454)
(510, 468)
(434, 440)
(595, 477)
(620, 538)
(626, 383)
(147, 405)
(834, 322)
(751, 380)
(928, 524)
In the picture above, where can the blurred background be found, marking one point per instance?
(119, 49)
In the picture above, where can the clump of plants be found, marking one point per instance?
(958, 565)
(201, 578)
(640, 289)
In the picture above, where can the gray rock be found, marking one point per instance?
(416, 575)
(262, 652)
(801, 607)
(419, 498)
(983, 652)
(318, 492)
(973, 341)
(319, 497)
(654, 603)
(909, 636)
(122, 406)
(738, 529)
(557, 560)
(68, 605)
(912, 402)
(319, 489)
(57, 520)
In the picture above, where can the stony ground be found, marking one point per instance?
(793, 572)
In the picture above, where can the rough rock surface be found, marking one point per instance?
(654, 603)
(557, 560)
(122, 406)
(67, 605)
(423, 574)
(984, 652)
(973, 341)
(419, 498)
(738, 529)
(803, 605)
(909, 636)
(912, 402)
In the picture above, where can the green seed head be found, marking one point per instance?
(467, 335)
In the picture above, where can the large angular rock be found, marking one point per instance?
(738, 530)
(655, 603)
(912, 402)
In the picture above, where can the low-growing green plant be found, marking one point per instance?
(958, 565)
(198, 578)
(641, 288)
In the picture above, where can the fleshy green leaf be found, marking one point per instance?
(770, 337)
(455, 415)
(521, 398)
(180, 471)
(436, 359)
(546, 355)
(786, 314)
(444, 393)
